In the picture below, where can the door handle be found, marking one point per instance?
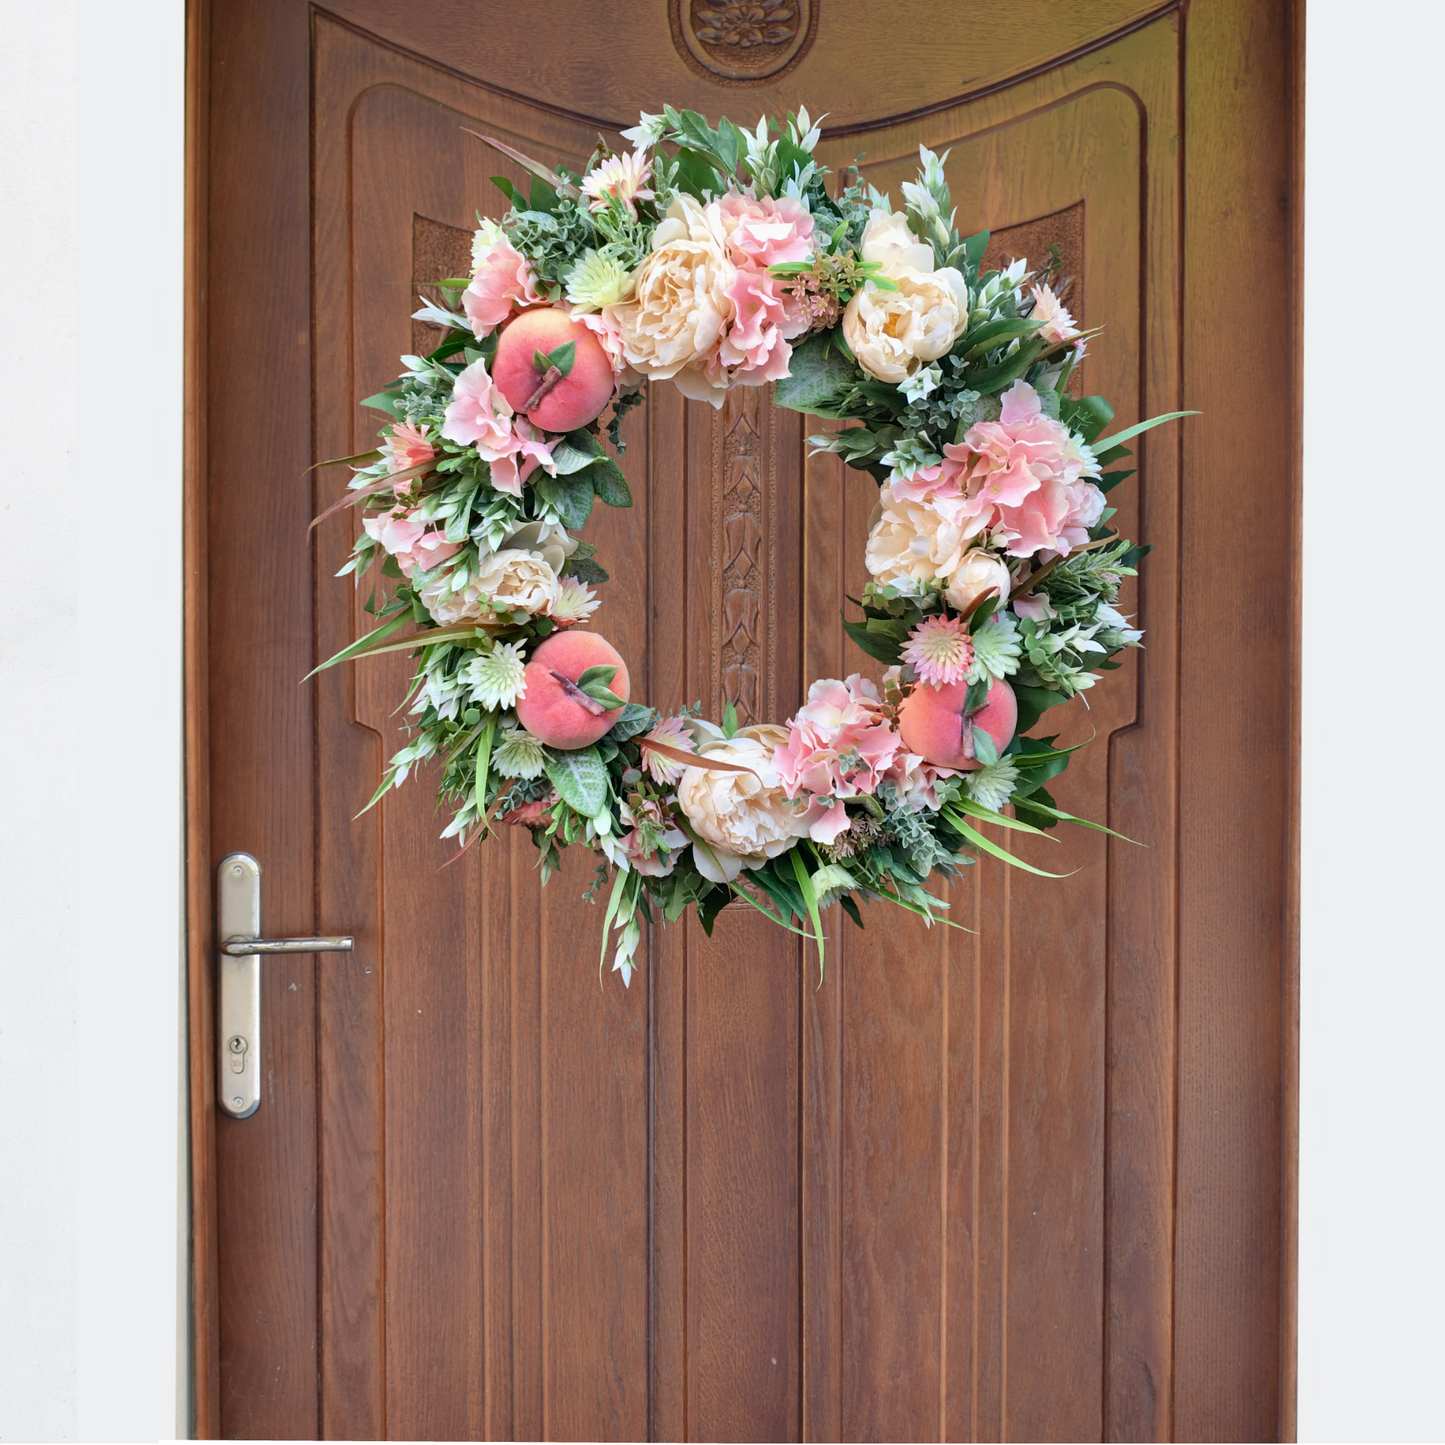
(238, 968)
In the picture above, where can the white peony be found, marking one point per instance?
(520, 576)
(894, 333)
(913, 540)
(679, 309)
(744, 818)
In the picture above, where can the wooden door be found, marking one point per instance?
(1033, 1182)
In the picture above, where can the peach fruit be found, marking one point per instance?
(547, 399)
(554, 709)
(932, 723)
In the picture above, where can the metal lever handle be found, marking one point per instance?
(243, 947)
(238, 1004)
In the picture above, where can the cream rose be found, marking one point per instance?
(976, 573)
(680, 309)
(894, 333)
(912, 539)
(744, 818)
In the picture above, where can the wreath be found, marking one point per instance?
(712, 258)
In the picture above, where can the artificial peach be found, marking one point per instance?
(932, 722)
(554, 709)
(548, 399)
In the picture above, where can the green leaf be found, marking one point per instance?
(1069, 818)
(602, 672)
(383, 401)
(563, 358)
(696, 174)
(998, 332)
(579, 777)
(875, 645)
(509, 191)
(976, 695)
(610, 483)
(567, 459)
(572, 496)
(484, 762)
(1001, 820)
(988, 846)
(805, 886)
(984, 747)
(730, 145)
(586, 569)
(1033, 702)
(973, 248)
(1144, 426)
(1112, 454)
(989, 380)
(361, 645)
(818, 376)
(851, 909)
(1088, 416)
(1110, 480)
(635, 719)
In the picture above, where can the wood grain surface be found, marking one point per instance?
(1030, 1180)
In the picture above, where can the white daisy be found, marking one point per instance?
(496, 678)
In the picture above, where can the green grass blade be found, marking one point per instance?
(974, 836)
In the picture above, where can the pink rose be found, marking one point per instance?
(1023, 477)
(501, 281)
(840, 744)
(916, 780)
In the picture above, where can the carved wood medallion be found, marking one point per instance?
(740, 41)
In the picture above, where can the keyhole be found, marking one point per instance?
(237, 1045)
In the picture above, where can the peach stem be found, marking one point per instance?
(576, 693)
(552, 377)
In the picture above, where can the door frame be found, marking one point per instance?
(198, 880)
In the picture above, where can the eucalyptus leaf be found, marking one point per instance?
(984, 747)
(635, 719)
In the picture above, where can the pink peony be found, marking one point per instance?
(767, 232)
(839, 745)
(479, 415)
(416, 545)
(501, 282)
(1023, 477)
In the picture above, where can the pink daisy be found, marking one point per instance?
(940, 651)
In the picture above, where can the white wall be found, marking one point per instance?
(92, 1165)
(1372, 1128)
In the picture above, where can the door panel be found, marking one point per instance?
(967, 1184)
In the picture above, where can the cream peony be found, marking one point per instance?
(978, 571)
(912, 539)
(743, 818)
(680, 309)
(522, 575)
(894, 333)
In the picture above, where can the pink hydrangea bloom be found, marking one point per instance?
(916, 780)
(766, 232)
(940, 651)
(607, 331)
(479, 415)
(755, 348)
(840, 743)
(501, 282)
(1024, 477)
(417, 545)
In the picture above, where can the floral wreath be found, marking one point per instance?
(715, 258)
